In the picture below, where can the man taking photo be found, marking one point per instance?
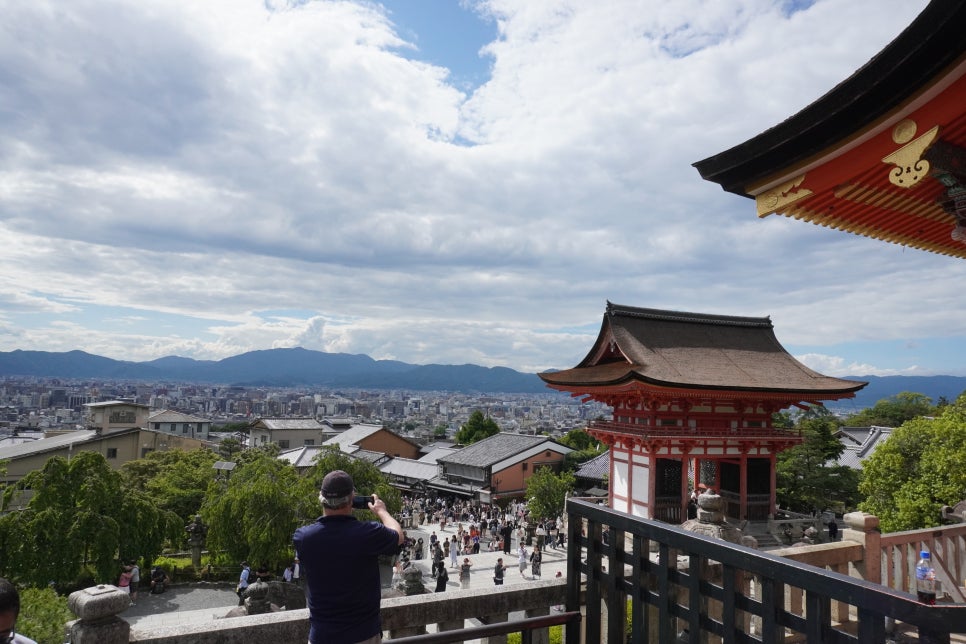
(340, 563)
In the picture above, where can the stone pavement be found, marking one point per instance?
(206, 602)
(180, 605)
(481, 574)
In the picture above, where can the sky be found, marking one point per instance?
(433, 181)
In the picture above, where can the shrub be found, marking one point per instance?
(43, 615)
(556, 636)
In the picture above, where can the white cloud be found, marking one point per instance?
(838, 366)
(206, 165)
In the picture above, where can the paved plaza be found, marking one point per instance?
(207, 602)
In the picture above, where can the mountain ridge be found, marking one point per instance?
(303, 367)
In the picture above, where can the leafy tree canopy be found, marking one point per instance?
(477, 428)
(43, 614)
(547, 492)
(917, 470)
(175, 480)
(78, 516)
(584, 445)
(579, 439)
(229, 447)
(807, 474)
(253, 513)
(893, 411)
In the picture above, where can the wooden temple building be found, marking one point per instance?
(882, 154)
(693, 396)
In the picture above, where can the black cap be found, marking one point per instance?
(337, 485)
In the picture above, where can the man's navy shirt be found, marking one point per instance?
(343, 587)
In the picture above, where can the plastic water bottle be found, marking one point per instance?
(925, 579)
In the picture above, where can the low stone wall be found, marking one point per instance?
(401, 616)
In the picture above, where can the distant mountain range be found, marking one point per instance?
(277, 368)
(301, 367)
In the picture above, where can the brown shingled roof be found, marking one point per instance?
(693, 350)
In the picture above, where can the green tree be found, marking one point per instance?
(477, 428)
(440, 431)
(917, 470)
(807, 474)
(253, 514)
(584, 445)
(228, 447)
(893, 411)
(175, 480)
(77, 516)
(547, 492)
(579, 439)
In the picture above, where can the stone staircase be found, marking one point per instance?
(766, 540)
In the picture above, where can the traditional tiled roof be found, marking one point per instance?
(693, 350)
(595, 469)
(870, 438)
(300, 456)
(171, 416)
(496, 448)
(436, 454)
(30, 448)
(114, 403)
(290, 423)
(353, 435)
(408, 468)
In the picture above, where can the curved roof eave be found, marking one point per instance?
(632, 376)
(922, 52)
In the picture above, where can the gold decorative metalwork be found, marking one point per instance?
(910, 168)
(904, 130)
(771, 201)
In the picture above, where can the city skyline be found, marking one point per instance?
(431, 182)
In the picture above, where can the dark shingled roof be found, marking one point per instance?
(494, 449)
(596, 468)
(695, 351)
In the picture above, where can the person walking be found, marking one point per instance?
(340, 561)
(465, 573)
(243, 577)
(124, 580)
(454, 550)
(441, 579)
(135, 582)
(506, 533)
(535, 559)
(498, 571)
(522, 553)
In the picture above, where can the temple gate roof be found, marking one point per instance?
(694, 351)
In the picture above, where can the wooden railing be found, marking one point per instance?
(670, 585)
(653, 582)
(900, 552)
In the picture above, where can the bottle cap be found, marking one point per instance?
(924, 554)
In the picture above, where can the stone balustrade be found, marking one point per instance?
(98, 610)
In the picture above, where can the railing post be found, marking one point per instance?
(98, 608)
(492, 619)
(540, 635)
(863, 528)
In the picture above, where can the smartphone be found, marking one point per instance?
(361, 502)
